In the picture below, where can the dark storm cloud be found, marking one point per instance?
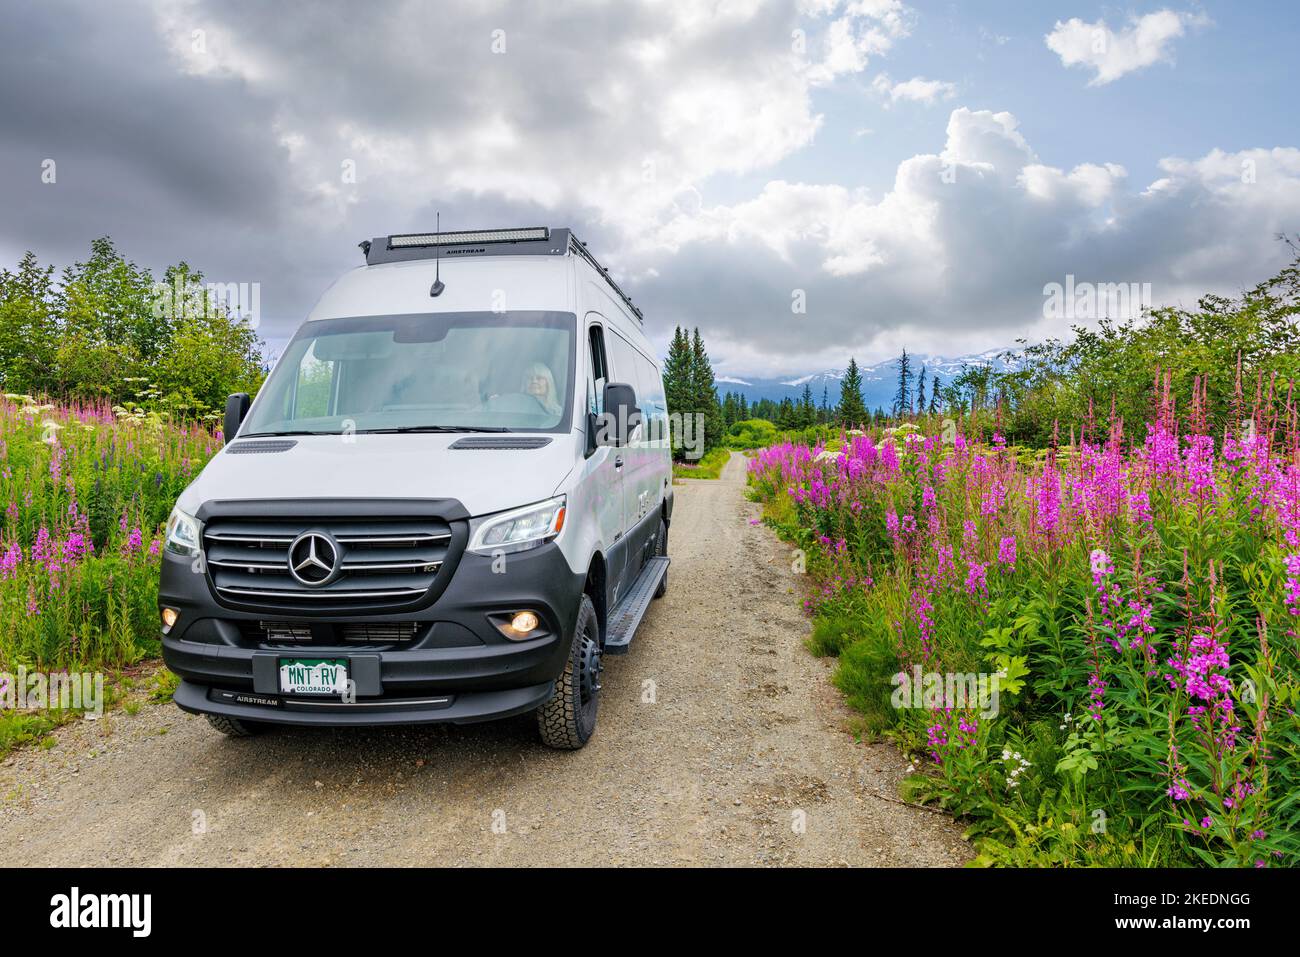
(137, 145)
(231, 152)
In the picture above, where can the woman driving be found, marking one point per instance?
(540, 384)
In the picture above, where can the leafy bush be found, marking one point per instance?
(751, 434)
(107, 332)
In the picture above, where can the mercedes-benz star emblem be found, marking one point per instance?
(314, 559)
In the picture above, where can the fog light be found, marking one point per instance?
(524, 622)
(169, 616)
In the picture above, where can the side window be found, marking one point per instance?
(597, 372)
(624, 361)
(652, 399)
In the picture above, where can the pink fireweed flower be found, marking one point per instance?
(43, 549)
(1048, 501)
(133, 543)
(1139, 509)
(944, 567)
(9, 562)
(1202, 674)
(1096, 695)
(1293, 583)
(1007, 552)
(976, 581)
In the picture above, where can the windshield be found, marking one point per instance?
(467, 371)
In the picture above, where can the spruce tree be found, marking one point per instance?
(807, 408)
(903, 397)
(679, 382)
(851, 412)
(704, 393)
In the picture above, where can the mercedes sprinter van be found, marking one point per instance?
(448, 502)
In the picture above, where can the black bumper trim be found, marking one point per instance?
(454, 709)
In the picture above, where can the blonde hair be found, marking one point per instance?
(550, 401)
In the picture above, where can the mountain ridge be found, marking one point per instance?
(879, 381)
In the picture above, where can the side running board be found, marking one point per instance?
(626, 618)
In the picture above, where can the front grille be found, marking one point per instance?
(324, 633)
(283, 631)
(377, 562)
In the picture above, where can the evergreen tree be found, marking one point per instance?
(851, 411)
(678, 382)
(807, 409)
(920, 391)
(785, 415)
(935, 386)
(903, 397)
(705, 394)
(730, 411)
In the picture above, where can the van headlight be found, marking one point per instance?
(520, 529)
(183, 532)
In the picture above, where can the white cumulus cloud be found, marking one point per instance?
(916, 90)
(1110, 54)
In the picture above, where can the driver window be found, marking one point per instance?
(597, 371)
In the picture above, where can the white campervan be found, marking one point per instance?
(449, 500)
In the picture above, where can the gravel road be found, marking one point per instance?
(720, 742)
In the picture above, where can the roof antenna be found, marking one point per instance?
(436, 289)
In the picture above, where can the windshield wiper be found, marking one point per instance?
(265, 435)
(401, 429)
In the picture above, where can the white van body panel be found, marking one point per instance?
(487, 284)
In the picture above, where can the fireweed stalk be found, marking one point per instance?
(1127, 593)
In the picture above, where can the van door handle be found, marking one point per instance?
(618, 461)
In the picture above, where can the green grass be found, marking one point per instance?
(708, 467)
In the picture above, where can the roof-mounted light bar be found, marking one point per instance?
(531, 234)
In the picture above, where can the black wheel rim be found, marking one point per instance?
(588, 670)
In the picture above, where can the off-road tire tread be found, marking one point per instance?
(233, 727)
(557, 720)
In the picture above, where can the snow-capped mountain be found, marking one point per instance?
(879, 381)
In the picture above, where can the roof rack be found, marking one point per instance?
(581, 249)
(530, 241)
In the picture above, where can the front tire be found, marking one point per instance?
(567, 721)
(234, 727)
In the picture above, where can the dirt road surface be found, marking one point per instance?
(720, 741)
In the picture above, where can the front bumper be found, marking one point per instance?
(457, 667)
(456, 709)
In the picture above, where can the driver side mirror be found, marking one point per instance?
(236, 409)
(621, 415)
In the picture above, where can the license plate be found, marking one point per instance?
(313, 676)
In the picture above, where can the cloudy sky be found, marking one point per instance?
(916, 173)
